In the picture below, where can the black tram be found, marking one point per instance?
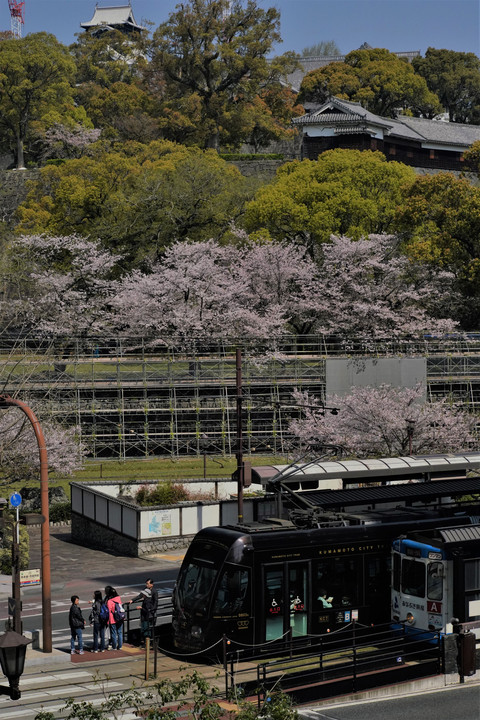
(259, 583)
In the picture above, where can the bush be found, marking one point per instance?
(165, 493)
(60, 512)
(251, 156)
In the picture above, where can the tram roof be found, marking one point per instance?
(374, 469)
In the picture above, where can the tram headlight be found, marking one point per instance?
(196, 631)
(410, 619)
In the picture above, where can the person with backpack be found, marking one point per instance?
(99, 619)
(77, 625)
(148, 609)
(116, 616)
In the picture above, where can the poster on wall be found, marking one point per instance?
(160, 522)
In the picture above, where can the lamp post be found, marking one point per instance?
(13, 648)
(7, 401)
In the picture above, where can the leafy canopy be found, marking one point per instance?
(344, 192)
(378, 79)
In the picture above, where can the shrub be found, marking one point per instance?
(164, 493)
(60, 512)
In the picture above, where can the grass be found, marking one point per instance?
(148, 469)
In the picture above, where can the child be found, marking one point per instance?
(77, 624)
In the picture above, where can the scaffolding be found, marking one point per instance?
(129, 399)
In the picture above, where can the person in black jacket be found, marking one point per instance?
(96, 620)
(148, 608)
(77, 624)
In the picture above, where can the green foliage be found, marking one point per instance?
(344, 192)
(60, 512)
(455, 78)
(6, 546)
(35, 79)
(212, 58)
(376, 78)
(251, 156)
(440, 221)
(324, 48)
(138, 199)
(192, 697)
(165, 493)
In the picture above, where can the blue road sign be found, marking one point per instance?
(15, 500)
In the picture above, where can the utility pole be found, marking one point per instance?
(239, 453)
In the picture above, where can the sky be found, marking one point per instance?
(398, 25)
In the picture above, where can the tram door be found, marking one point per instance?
(285, 597)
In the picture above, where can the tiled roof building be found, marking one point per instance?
(116, 17)
(430, 144)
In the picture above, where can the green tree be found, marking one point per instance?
(138, 200)
(440, 220)
(455, 78)
(109, 58)
(324, 48)
(344, 192)
(35, 79)
(382, 82)
(215, 51)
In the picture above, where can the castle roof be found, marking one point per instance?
(115, 17)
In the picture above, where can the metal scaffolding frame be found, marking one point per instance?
(130, 399)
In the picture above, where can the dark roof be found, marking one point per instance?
(338, 114)
(399, 492)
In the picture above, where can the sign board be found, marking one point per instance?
(29, 577)
(12, 605)
(354, 614)
(15, 500)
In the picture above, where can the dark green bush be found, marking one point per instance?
(165, 493)
(60, 512)
(251, 156)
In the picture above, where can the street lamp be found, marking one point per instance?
(13, 648)
(7, 401)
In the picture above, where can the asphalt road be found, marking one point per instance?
(76, 570)
(453, 703)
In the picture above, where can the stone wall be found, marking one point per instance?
(13, 191)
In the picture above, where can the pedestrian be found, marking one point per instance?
(115, 621)
(148, 609)
(77, 625)
(98, 621)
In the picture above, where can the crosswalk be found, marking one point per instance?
(44, 692)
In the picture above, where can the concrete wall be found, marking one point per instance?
(103, 517)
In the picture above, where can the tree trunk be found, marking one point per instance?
(20, 157)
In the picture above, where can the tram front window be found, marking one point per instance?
(413, 578)
(435, 581)
(232, 595)
(195, 584)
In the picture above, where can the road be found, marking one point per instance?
(76, 570)
(454, 703)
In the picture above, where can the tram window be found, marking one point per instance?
(195, 584)
(472, 575)
(335, 582)
(413, 577)
(377, 576)
(397, 565)
(435, 581)
(233, 593)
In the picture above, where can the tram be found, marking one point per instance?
(258, 583)
(436, 578)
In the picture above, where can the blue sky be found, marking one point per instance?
(394, 24)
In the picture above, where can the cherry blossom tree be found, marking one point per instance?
(366, 288)
(65, 286)
(19, 458)
(204, 288)
(62, 141)
(375, 422)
